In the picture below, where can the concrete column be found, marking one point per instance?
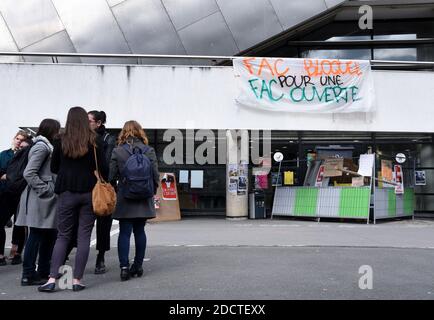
(237, 157)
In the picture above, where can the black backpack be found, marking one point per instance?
(15, 182)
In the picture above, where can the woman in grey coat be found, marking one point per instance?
(132, 213)
(37, 208)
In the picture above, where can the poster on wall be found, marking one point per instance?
(366, 165)
(196, 179)
(233, 185)
(319, 177)
(276, 179)
(304, 85)
(168, 187)
(261, 182)
(243, 170)
(387, 170)
(288, 178)
(419, 178)
(398, 176)
(183, 176)
(232, 170)
(242, 185)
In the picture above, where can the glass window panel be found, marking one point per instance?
(408, 36)
(30, 21)
(7, 43)
(398, 54)
(93, 29)
(349, 38)
(293, 12)
(58, 42)
(250, 21)
(335, 29)
(211, 196)
(183, 13)
(332, 3)
(422, 28)
(209, 36)
(112, 3)
(147, 19)
(361, 54)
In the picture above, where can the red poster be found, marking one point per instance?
(168, 186)
(399, 189)
(261, 181)
(320, 176)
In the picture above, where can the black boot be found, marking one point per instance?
(136, 271)
(100, 266)
(125, 274)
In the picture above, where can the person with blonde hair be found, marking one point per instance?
(134, 165)
(9, 203)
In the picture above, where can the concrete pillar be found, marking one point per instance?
(237, 163)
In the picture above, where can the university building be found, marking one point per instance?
(169, 65)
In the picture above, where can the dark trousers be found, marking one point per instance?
(8, 207)
(103, 228)
(126, 227)
(18, 236)
(69, 206)
(40, 242)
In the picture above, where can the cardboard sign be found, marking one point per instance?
(331, 165)
(357, 182)
(167, 210)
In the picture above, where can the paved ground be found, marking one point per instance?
(210, 258)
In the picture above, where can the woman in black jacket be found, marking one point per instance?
(97, 119)
(73, 160)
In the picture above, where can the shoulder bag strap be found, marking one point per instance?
(97, 173)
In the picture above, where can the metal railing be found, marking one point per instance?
(55, 55)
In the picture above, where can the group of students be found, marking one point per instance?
(54, 211)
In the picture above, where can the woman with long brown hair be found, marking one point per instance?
(73, 161)
(134, 165)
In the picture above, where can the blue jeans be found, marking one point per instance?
(40, 242)
(126, 227)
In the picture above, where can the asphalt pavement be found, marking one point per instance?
(280, 259)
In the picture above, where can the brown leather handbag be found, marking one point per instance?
(103, 194)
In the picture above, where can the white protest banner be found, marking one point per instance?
(305, 85)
